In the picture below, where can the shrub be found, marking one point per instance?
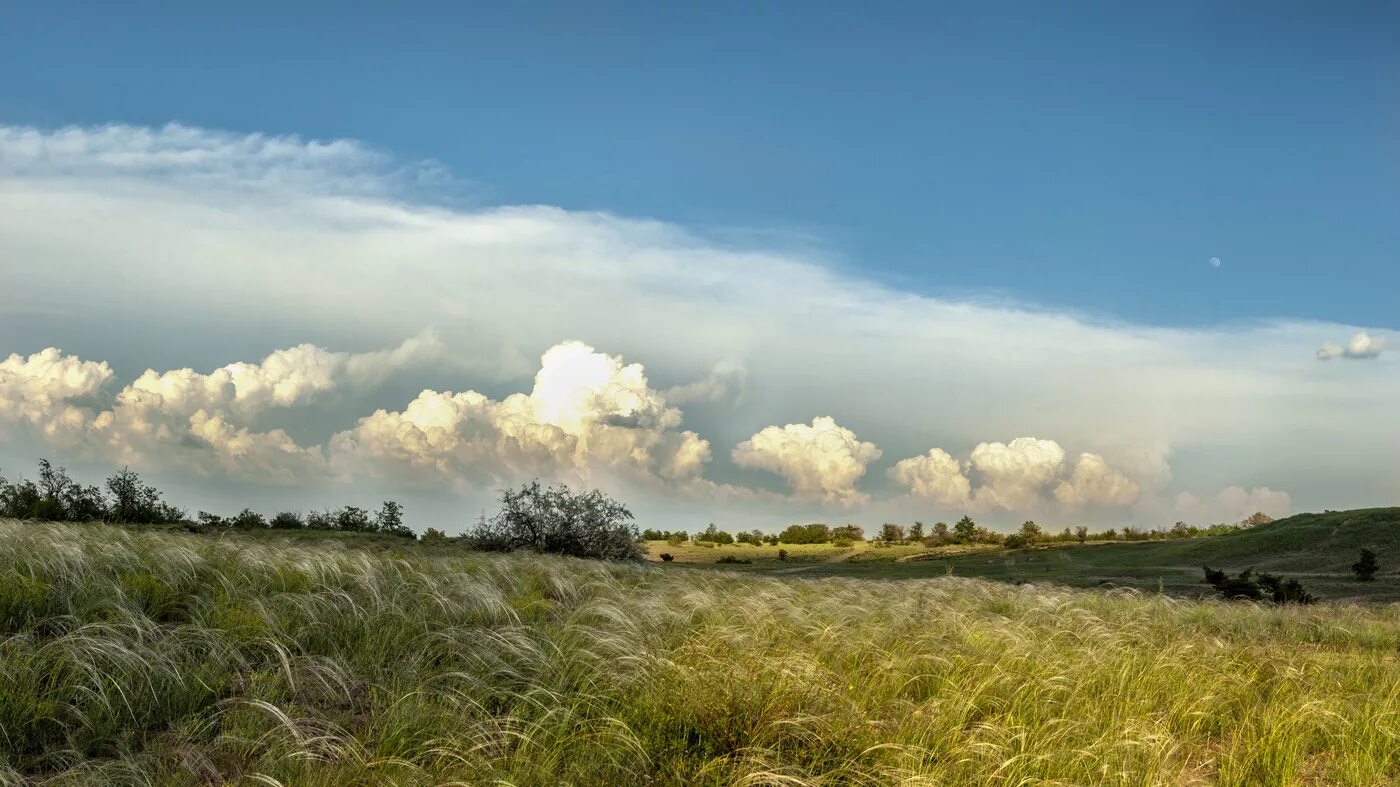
(434, 536)
(247, 520)
(353, 519)
(842, 543)
(287, 520)
(558, 521)
(1016, 541)
(667, 557)
(782, 554)
(816, 533)
(1366, 567)
(1248, 586)
(675, 539)
(733, 559)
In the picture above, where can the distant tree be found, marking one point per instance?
(714, 535)
(1081, 534)
(211, 520)
(815, 533)
(965, 529)
(320, 520)
(1366, 567)
(557, 520)
(389, 521)
(246, 519)
(286, 520)
(353, 519)
(940, 535)
(1257, 518)
(675, 539)
(1110, 535)
(1016, 541)
(850, 532)
(434, 536)
(891, 533)
(653, 535)
(135, 502)
(916, 532)
(1030, 531)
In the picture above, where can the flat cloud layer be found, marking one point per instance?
(184, 249)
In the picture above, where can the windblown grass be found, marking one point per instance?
(161, 658)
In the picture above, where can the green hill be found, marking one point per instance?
(1318, 549)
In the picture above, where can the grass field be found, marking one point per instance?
(168, 658)
(1318, 549)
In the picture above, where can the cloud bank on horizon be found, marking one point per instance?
(747, 385)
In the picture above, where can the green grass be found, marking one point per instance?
(167, 658)
(1318, 549)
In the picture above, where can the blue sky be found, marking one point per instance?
(733, 264)
(1093, 158)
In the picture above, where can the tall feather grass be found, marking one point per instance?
(155, 658)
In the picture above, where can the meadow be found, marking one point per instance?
(147, 656)
(1318, 549)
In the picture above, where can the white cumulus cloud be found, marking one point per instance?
(935, 476)
(821, 461)
(1013, 474)
(1234, 504)
(1362, 346)
(587, 411)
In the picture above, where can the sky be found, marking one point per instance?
(751, 266)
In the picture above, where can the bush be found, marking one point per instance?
(1016, 541)
(842, 543)
(287, 520)
(1249, 587)
(815, 533)
(247, 520)
(732, 559)
(1366, 567)
(558, 521)
(389, 521)
(667, 557)
(434, 536)
(782, 554)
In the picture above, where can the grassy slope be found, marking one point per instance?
(1318, 548)
(144, 657)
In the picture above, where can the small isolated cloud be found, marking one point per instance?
(1234, 504)
(1362, 346)
(726, 381)
(823, 461)
(1215, 262)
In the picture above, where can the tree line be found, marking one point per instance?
(125, 499)
(964, 531)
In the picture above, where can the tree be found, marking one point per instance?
(434, 536)
(916, 533)
(137, 503)
(940, 534)
(1030, 531)
(353, 519)
(965, 529)
(558, 521)
(1016, 541)
(891, 533)
(1081, 534)
(815, 533)
(850, 532)
(287, 520)
(1257, 518)
(389, 520)
(247, 519)
(1366, 567)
